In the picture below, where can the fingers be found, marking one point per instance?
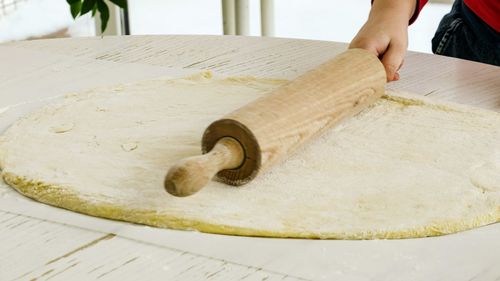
(393, 60)
(396, 77)
(391, 56)
(385, 39)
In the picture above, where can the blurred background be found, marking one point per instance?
(332, 20)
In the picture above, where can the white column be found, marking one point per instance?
(242, 17)
(267, 17)
(228, 17)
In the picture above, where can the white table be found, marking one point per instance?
(46, 243)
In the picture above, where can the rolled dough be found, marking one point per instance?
(403, 168)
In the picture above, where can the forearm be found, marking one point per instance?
(393, 10)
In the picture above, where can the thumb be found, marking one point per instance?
(366, 46)
(392, 60)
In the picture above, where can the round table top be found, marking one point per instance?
(39, 241)
(431, 75)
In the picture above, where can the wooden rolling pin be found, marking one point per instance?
(249, 140)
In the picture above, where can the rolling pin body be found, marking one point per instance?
(275, 125)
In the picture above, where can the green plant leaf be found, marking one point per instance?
(82, 7)
(120, 3)
(87, 6)
(104, 11)
(75, 8)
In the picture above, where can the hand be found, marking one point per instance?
(386, 33)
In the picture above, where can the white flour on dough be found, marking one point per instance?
(402, 168)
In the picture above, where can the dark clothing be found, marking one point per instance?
(462, 34)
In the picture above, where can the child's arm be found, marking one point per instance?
(385, 33)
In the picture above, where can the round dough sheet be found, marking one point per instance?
(402, 168)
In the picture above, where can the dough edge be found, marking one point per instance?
(63, 197)
(51, 194)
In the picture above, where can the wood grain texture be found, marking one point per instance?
(27, 243)
(234, 55)
(437, 76)
(450, 79)
(61, 252)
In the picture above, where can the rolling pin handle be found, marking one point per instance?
(191, 174)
